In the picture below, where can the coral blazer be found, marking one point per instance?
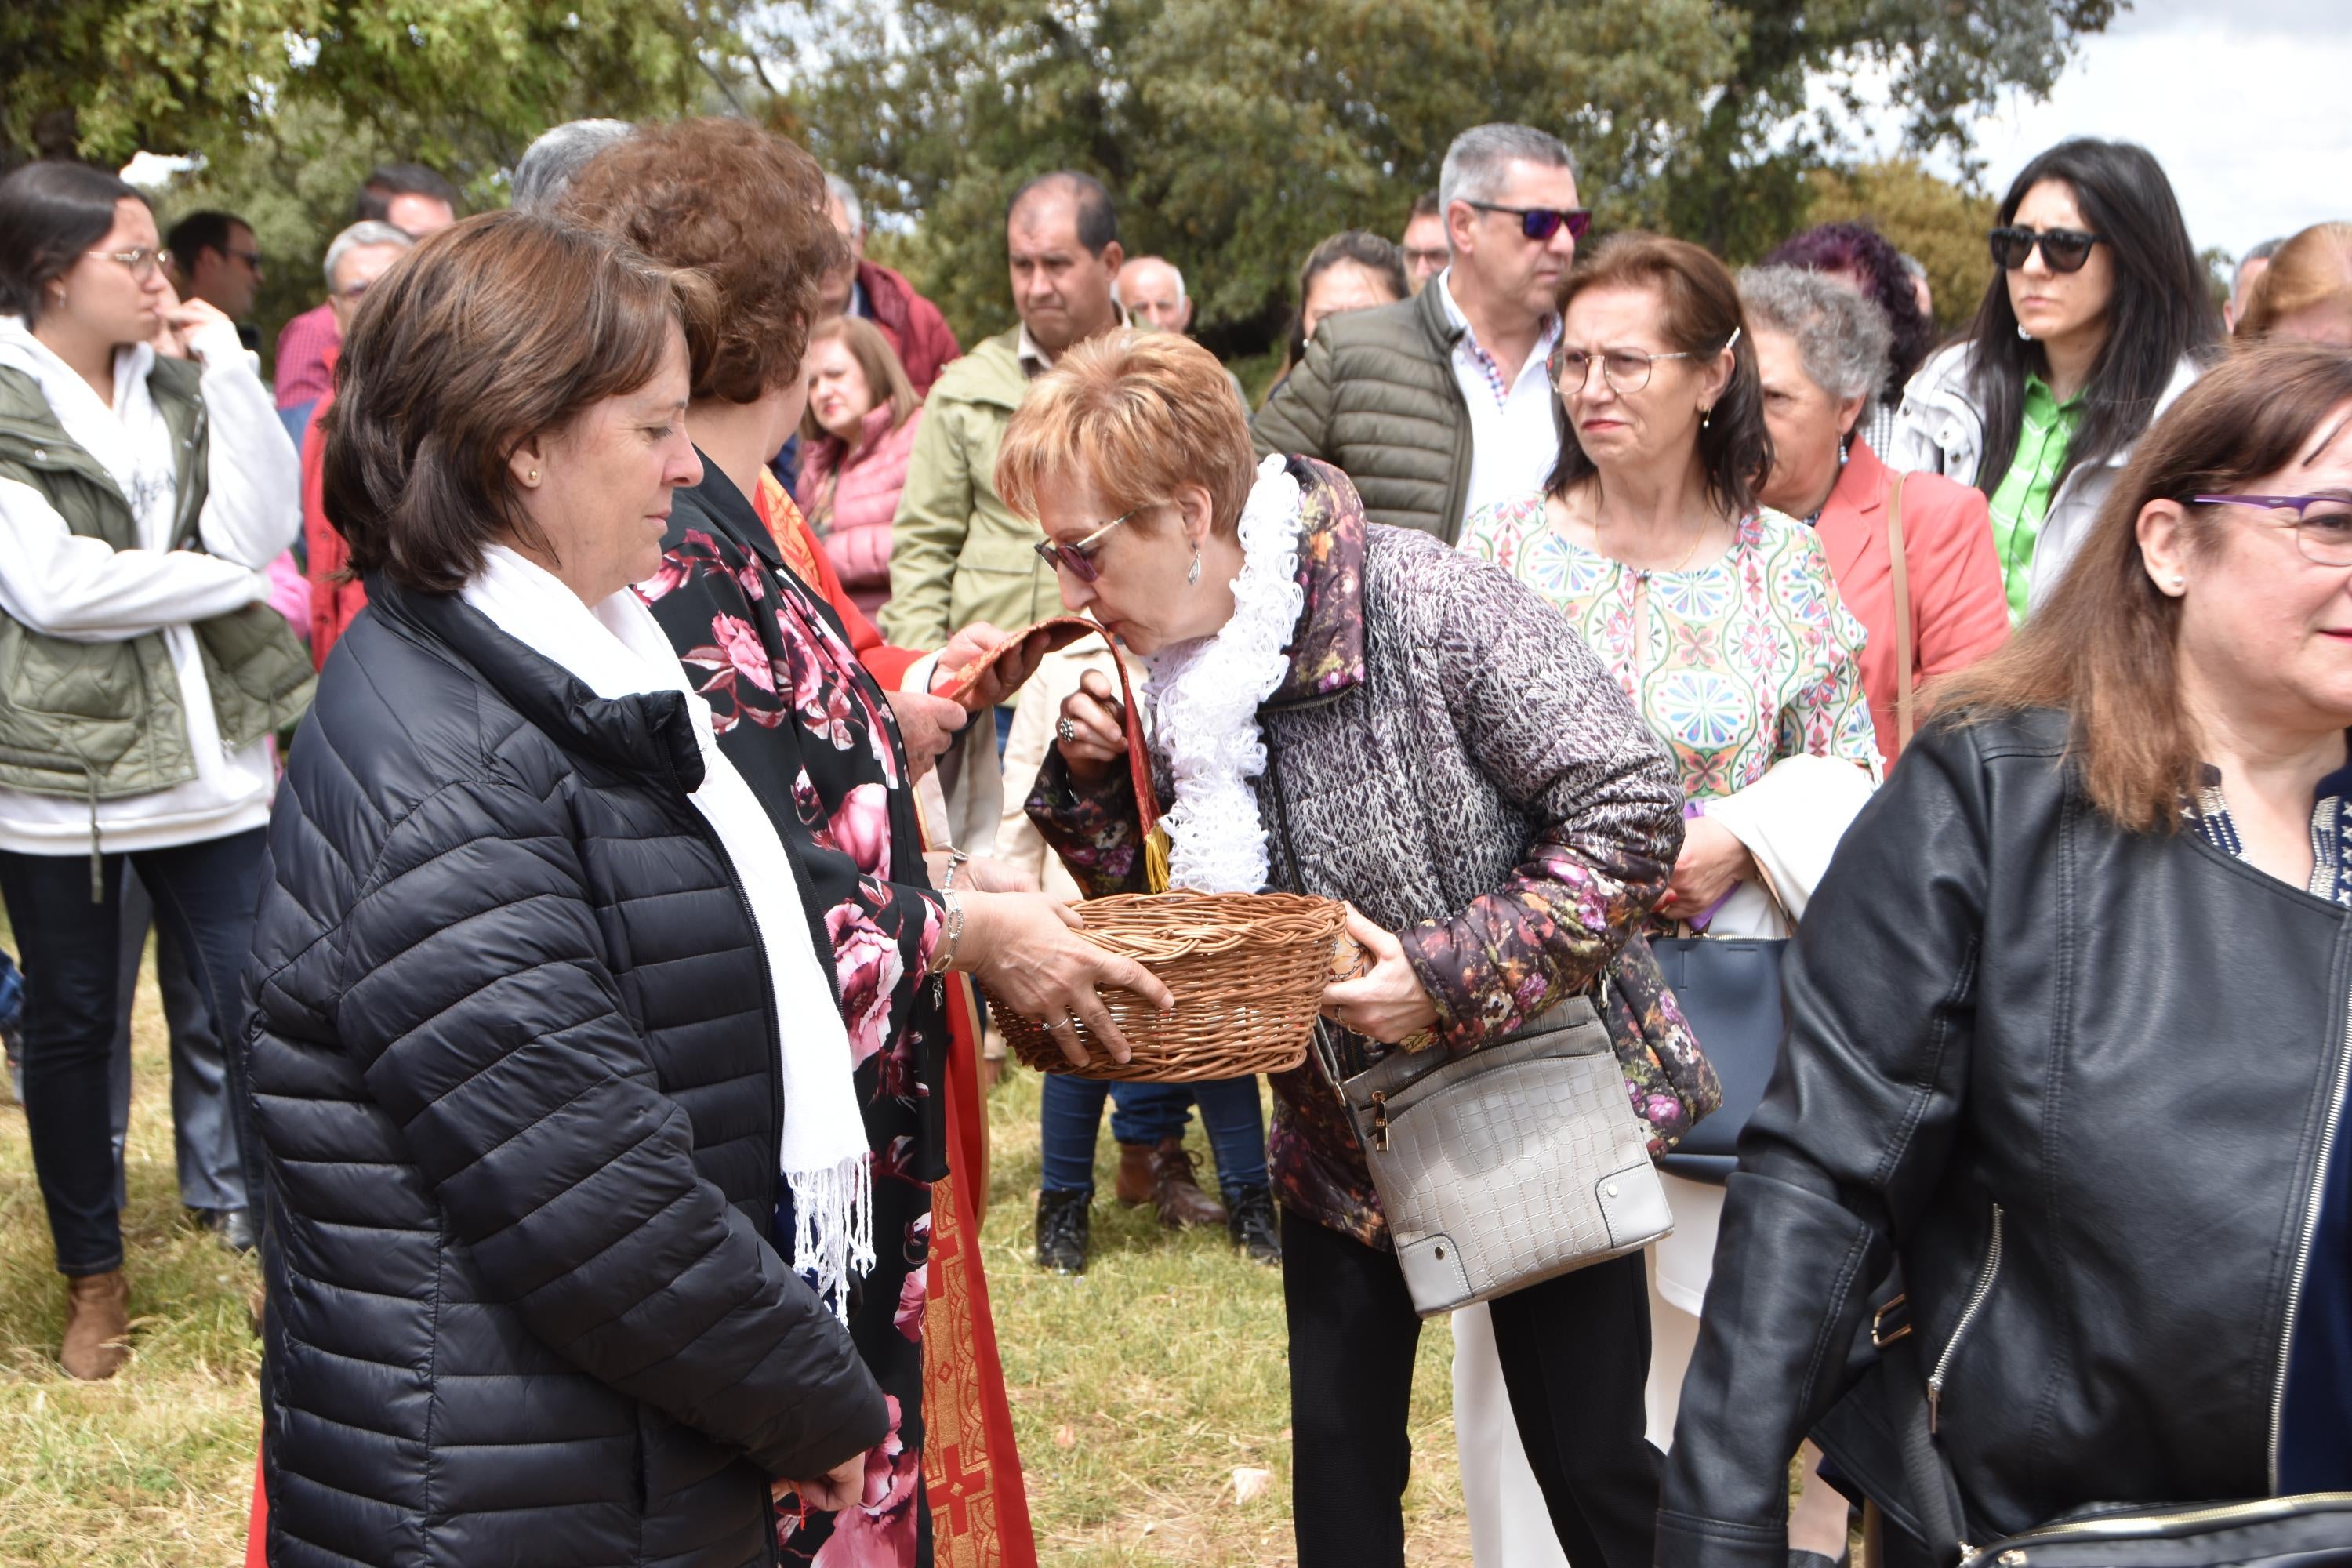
(1958, 613)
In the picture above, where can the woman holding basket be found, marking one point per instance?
(1360, 713)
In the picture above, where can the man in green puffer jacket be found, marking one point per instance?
(1442, 404)
(957, 554)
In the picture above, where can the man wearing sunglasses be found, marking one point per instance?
(1440, 404)
(215, 258)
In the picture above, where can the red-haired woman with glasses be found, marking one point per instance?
(2090, 327)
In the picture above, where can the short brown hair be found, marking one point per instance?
(2312, 269)
(740, 206)
(1138, 413)
(1699, 316)
(884, 376)
(489, 333)
(2102, 646)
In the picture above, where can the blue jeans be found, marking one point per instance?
(72, 946)
(1070, 1116)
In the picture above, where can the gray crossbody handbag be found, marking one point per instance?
(1516, 1163)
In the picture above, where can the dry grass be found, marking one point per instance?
(1138, 1390)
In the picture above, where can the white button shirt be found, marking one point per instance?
(1514, 441)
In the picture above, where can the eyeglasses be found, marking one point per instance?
(2062, 249)
(250, 258)
(1542, 223)
(353, 290)
(1627, 371)
(1078, 559)
(140, 260)
(2325, 537)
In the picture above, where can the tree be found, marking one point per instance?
(1935, 220)
(1237, 134)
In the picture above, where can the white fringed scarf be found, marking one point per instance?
(616, 648)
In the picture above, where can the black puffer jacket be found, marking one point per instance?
(516, 1078)
(2080, 1081)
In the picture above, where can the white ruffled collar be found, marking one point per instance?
(1205, 696)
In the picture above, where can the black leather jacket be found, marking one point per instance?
(2081, 1082)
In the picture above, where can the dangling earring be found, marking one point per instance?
(1192, 575)
(2022, 335)
(1707, 418)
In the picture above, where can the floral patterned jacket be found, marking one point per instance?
(1447, 755)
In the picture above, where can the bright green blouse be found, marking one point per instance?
(2022, 498)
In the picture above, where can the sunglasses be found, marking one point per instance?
(2062, 249)
(1078, 559)
(1542, 223)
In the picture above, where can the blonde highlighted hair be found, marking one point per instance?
(1134, 415)
(885, 378)
(2315, 268)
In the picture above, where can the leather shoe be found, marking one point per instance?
(1251, 1224)
(234, 1227)
(1062, 1230)
(97, 1325)
(1177, 1191)
(1135, 1175)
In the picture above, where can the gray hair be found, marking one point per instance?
(357, 236)
(1912, 265)
(551, 163)
(1480, 157)
(2261, 252)
(1842, 337)
(846, 194)
(1173, 270)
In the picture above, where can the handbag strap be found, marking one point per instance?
(1904, 652)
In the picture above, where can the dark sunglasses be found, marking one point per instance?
(2062, 249)
(1078, 559)
(1542, 223)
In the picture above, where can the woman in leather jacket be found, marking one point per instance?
(2068, 1037)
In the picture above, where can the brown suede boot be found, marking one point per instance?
(97, 1325)
(1136, 1179)
(1177, 1191)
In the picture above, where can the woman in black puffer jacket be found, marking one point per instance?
(519, 1058)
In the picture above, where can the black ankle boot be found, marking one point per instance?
(1250, 1222)
(1062, 1230)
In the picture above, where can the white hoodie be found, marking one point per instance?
(83, 590)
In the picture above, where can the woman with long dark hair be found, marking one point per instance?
(2091, 327)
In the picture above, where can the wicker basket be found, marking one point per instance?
(1247, 970)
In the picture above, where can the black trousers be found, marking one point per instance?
(1575, 1353)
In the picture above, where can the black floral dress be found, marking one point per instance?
(813, 736)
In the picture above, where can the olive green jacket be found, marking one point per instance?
(103, 720)
(1376, 398)
(957, 554)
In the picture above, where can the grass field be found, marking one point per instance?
(1139, 1390)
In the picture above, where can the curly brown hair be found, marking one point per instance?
(740, 206)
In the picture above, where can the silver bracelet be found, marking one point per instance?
(943, 958)
(956, 857)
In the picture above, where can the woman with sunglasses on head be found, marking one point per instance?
(2094, 324)
(142, 671)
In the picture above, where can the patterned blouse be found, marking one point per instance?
(1735, 664)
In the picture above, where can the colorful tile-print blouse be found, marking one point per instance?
(1735, 664)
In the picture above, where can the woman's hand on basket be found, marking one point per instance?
(1092, 733)
(1026, 948)
(1386, 1003)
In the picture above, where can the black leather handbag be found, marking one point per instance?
(1729, 989)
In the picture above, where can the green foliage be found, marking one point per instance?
(1236, 135)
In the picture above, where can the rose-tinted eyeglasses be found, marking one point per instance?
(1078, 559)
(2062, 249)
(1542, 223)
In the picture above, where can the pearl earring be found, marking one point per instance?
(532, 478)
(1707, 418)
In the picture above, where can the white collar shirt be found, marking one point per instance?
(1514, 441)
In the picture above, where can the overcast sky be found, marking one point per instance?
(2242, 101)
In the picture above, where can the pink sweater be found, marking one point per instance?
(852, 512)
